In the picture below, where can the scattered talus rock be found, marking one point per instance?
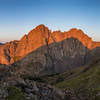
(15, 87)
(40, 36)
(31, 90)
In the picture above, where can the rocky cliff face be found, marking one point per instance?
(57, 58)
(40, 36)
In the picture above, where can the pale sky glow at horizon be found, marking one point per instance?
(18, 17)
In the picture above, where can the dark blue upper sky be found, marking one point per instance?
(18, 17)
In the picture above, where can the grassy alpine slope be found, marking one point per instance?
(85, 82)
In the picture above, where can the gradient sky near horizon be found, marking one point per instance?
(18, 17)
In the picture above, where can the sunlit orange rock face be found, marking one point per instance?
(41, 35)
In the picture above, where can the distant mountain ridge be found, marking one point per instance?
(1, 43)
(40, 36)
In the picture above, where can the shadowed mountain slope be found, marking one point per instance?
(56, 57)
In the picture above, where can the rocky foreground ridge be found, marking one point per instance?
(40, 36)
(81, 83)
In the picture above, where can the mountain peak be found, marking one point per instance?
(41, 26)
(39, 37)
(73, 29)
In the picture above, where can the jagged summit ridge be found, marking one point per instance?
(40, 36)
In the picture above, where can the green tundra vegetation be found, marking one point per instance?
(15, 94)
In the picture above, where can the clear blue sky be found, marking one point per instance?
(18, 17)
